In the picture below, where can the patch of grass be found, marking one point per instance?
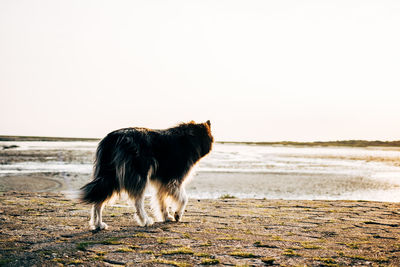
(307, 245)
(124, 250)
(242, 254)
(205, 255)
(83, 245)
(98, 258)
(290, 252)
(294, 248)
(276, 238)
(161, 240)
(396, 247)
(210, 261)
(182, 250)
(46, 252)
(186, 235)
(142, 235)
(353, 245)
(268, 260)
(206, 244)
(326, 261)
(54, 260)
(340, 253)
(111, 241)
(248, 231)
(227, 196)
(75, 262)
(173, 263)
(146, 252)
(229, 238)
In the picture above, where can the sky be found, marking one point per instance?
(259, 70)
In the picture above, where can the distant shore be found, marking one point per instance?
(17, 138)
(346, 143)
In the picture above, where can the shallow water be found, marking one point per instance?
(259, 171)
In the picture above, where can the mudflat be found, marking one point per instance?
(48, 229)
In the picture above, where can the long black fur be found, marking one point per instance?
(126, 157)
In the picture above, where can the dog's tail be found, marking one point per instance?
(102, 186)
(97, 191)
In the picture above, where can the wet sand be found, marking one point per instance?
(44, 181)
(209, 185)
(203, 185)
(47, 229)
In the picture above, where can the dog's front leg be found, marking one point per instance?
(161, 199)
(181, 198)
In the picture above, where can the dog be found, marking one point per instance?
(128, 159)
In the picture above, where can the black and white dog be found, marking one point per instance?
(127, 159)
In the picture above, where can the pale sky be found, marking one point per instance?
(259, 70)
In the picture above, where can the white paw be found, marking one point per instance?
(168, 218)
(100, 226)
(148, 222)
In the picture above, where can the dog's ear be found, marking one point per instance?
(208, 123)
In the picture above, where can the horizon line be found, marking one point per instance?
(344, 142)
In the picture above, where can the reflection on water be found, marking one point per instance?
(302, 160)
(260, 171)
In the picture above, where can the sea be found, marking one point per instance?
(242, 170)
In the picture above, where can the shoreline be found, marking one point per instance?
(225, 185)
(49, 229)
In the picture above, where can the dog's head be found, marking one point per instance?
(209, 139)
(201, 134)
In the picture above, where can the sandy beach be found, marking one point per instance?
(47, 229)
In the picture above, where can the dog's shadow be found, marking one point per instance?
(154, 228)
(84, 239)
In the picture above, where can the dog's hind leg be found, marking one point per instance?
(179, 195)
(143, 218)
(96, 221)
(135, 185)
